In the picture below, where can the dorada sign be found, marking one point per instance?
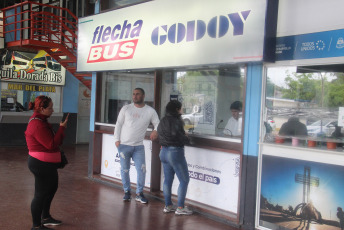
(38, 68)
(178, 33)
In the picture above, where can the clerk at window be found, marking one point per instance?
(293, 127)
(17, 106)
(233, 127)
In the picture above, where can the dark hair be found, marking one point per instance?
(237, 105)
(40, 102)
(172, 107)
(142, 91)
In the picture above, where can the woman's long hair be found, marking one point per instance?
(173, 107)
(40, 102)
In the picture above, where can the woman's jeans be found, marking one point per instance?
(174, 162)
(126, 152)
(46, 183)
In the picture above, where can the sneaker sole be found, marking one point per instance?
(51, 224)
(183, 214)
(126, 200)
(166, 211)
(143, 202)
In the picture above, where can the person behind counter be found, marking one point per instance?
(131, 126)
(172, 138)
(44, 159)
(233, 127)
(293, 127)
(17, 106)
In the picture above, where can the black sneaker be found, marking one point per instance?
(140, 197)
(51, 221)
(127, 196)
(42, 227)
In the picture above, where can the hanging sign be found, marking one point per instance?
(172, 33)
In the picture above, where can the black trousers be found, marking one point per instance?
(46, 184)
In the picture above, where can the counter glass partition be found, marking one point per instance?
(207, 96)
(117, 90)
(304, 106)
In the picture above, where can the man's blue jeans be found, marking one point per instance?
(137, 153)
(174, 162)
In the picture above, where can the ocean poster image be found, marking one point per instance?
(301, 195)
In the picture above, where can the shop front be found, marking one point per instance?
(24, 76)
(301, 161)
(208, 56)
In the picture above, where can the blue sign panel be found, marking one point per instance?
(308, 46)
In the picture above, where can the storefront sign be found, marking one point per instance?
(308, 46)
(214, 178)
(111, 162)
(38, 68)
(38, 88)
(177, 33)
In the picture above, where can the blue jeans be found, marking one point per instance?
(174, 162)
(127, 152)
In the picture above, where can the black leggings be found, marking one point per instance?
(46, 183)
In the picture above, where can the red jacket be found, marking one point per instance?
(40, 137)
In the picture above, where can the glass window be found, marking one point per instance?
(15, 97)
(207, 96)
(304, 102)
(118, 92)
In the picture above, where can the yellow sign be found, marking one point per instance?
(40, 88)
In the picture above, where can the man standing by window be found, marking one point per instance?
(233, 127)
(131, 126)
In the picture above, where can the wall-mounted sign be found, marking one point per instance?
(172, 33)
(308, 46)
(36, 88)
(24, 67)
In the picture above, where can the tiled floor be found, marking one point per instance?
(80, 202)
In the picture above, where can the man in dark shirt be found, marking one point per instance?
(293, 127)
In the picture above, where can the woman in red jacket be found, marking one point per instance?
(44, 159)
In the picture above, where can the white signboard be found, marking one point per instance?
(172, 33)
(214, 178)
(341, 117)
(111, 163)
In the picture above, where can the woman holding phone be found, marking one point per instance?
(44, 160)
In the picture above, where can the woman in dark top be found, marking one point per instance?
(172, 138)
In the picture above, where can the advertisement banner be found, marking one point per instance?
(32, 68)
(214, 178)
(172, 33)
(111, 162)
(300, 194)
(308, 46)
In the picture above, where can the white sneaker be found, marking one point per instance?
(170, 208)
(183, 211)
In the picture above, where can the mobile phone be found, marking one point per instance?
(64, 116)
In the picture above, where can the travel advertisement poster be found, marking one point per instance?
(299, 194)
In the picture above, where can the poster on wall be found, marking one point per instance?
(34, 68)
(214, 180)
(111, 162)
(300, 194)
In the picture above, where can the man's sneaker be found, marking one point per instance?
(183, 211)
(140, 197)
(170, 208)
(51, 221)
(127, 196)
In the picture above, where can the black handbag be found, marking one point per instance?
(64, 160)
